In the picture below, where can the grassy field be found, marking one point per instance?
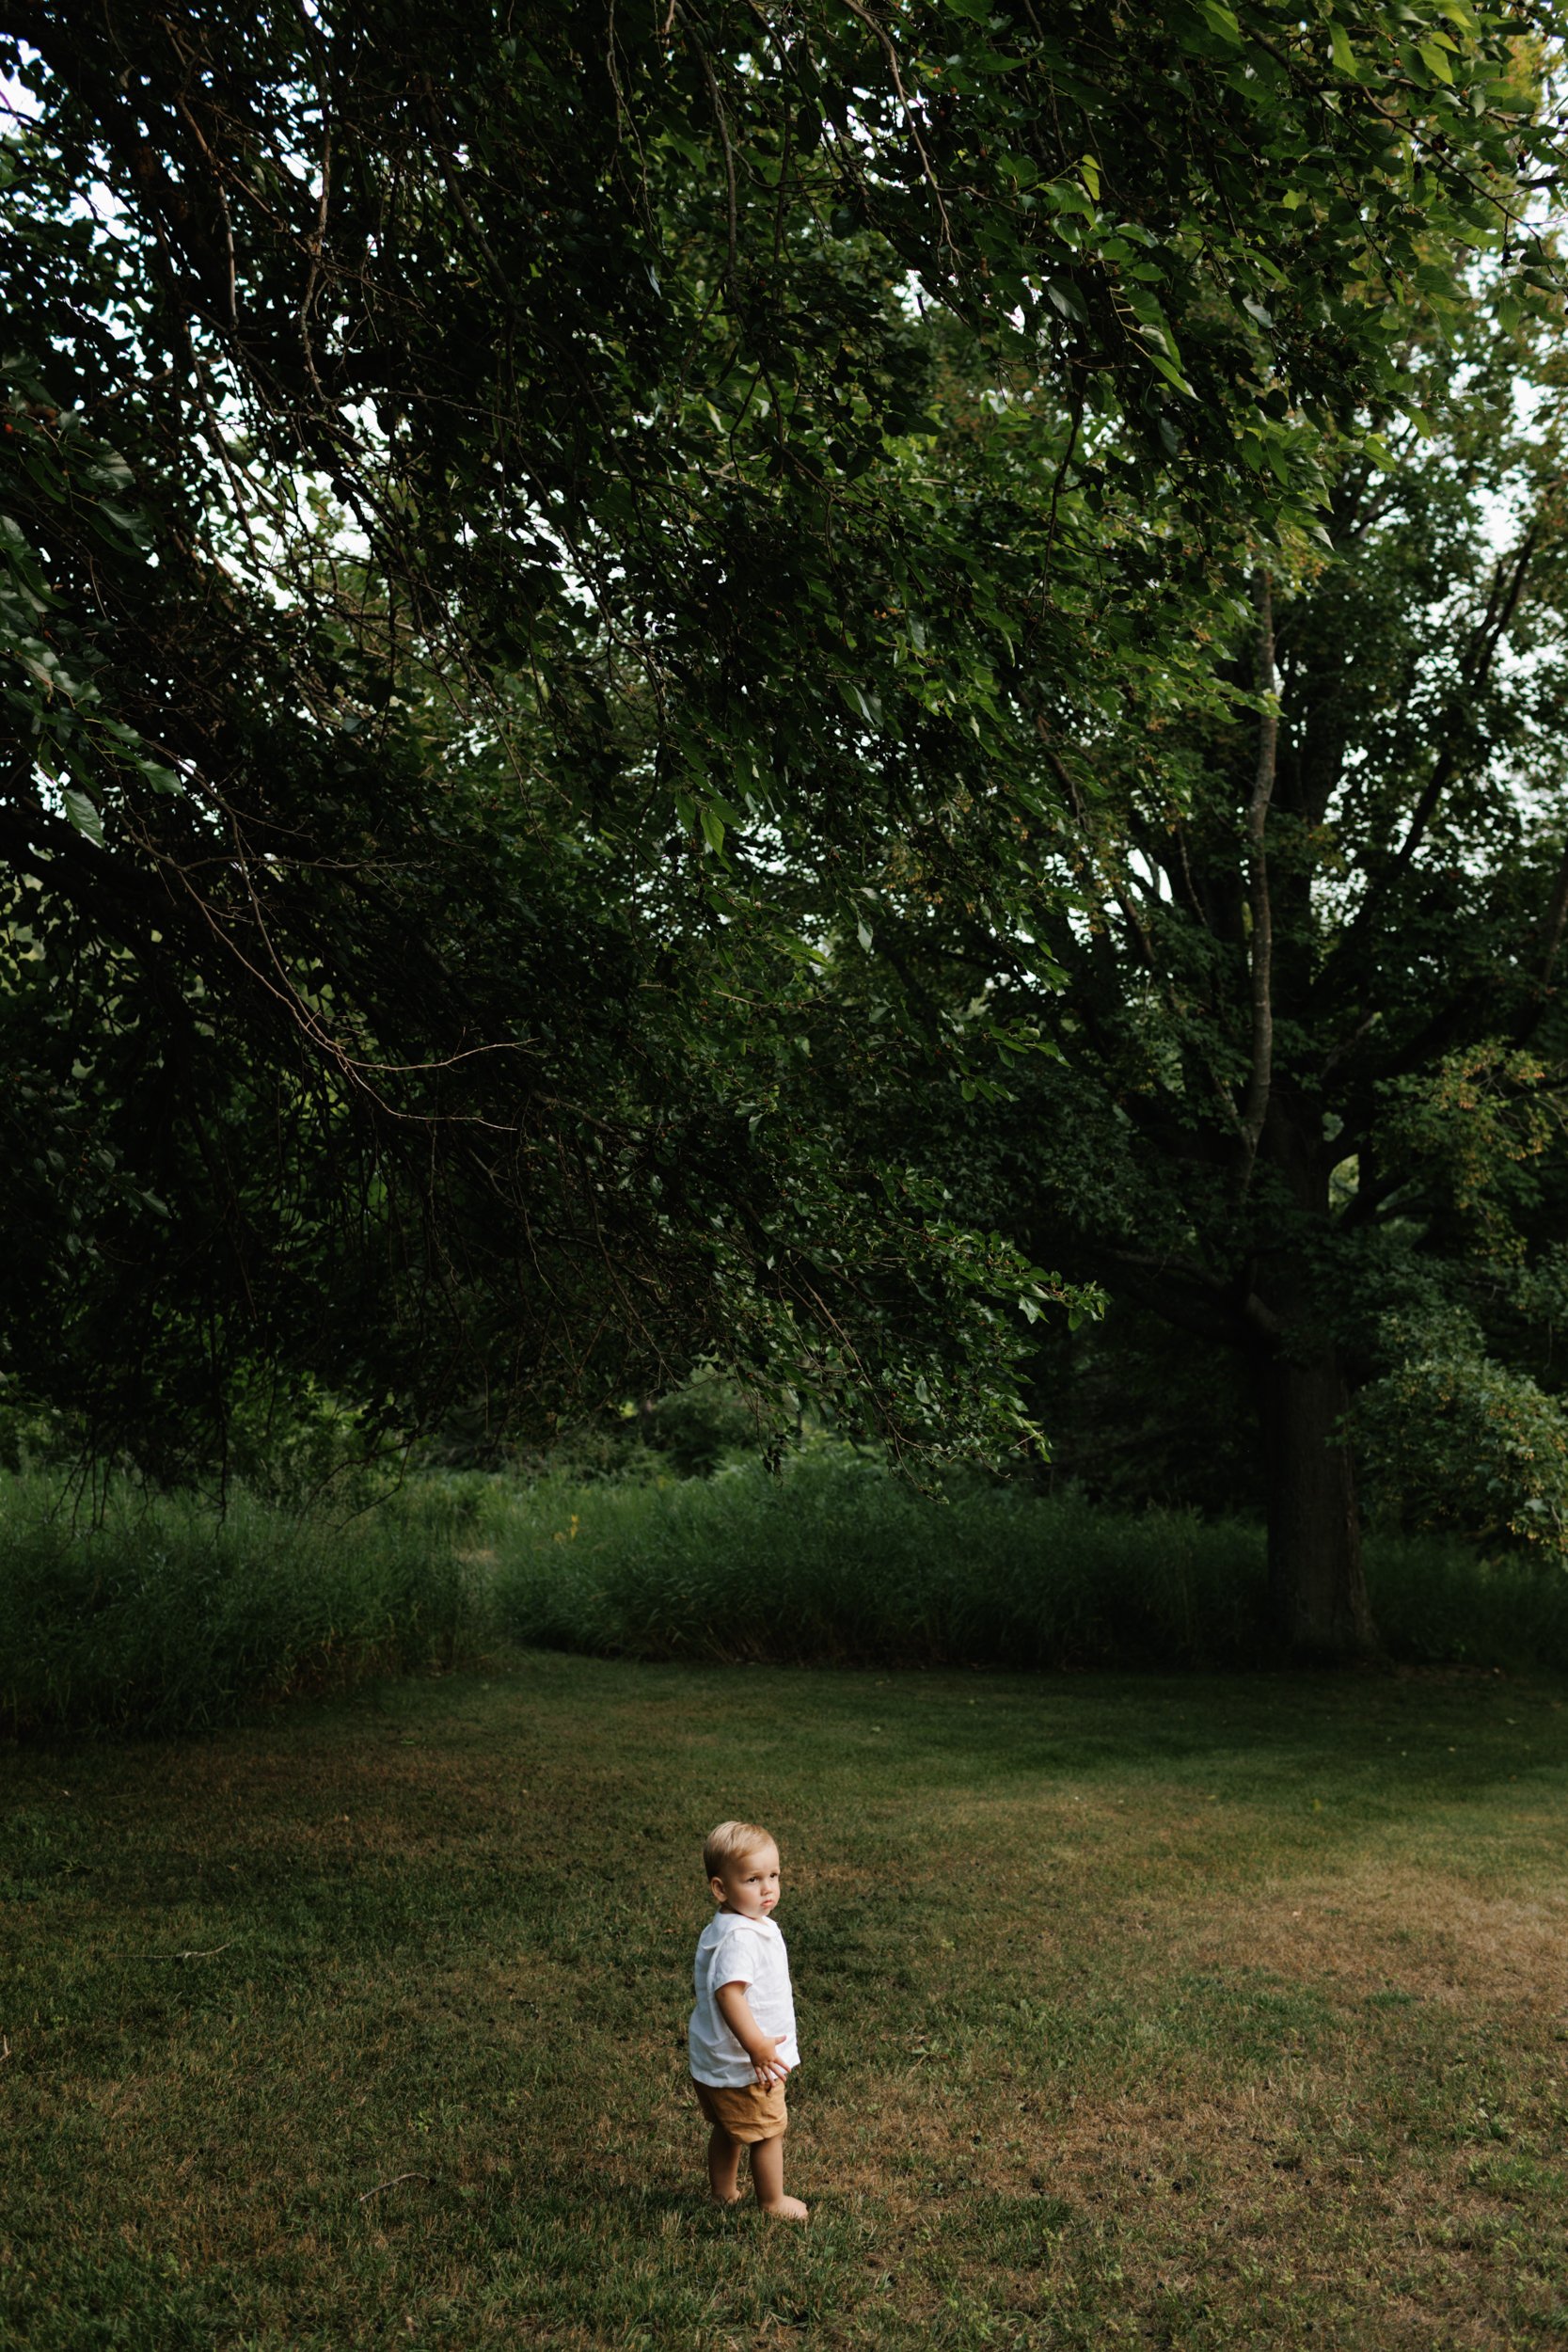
(1183, 2012)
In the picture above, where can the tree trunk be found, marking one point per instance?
(1316, 1584)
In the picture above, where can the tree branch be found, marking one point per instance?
(1188, 1298)
(717, 103)
(1112, 881)
(1261, 1079)
(880, 35)
(1501, 604)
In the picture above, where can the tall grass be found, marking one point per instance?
(836, 1560)
(164, 1617)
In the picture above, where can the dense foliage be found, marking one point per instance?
(1307, 1096)
(535, 538)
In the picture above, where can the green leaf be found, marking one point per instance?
(84, 814)
(1171, 373)
(1436, 62)
(1221, 19)
(1344, 56)
(1067, 197)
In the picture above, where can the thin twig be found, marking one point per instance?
(393, 2182)
(909, 116)
(729, 152)
(1262, 1077)
(210, 1953)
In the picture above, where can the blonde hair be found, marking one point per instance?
(730, 1842)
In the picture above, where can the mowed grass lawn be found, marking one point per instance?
(1190, 2012)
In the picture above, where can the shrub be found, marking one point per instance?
(1451, 1440)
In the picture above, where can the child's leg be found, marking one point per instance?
(723, 2166)
(767, 2181)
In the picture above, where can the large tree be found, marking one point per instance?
(471, 536)
(1301, 887)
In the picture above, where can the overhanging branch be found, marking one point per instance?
(1261, 1077)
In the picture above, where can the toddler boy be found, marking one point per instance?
(741, 2038)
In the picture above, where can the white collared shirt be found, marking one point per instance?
(732, 1950)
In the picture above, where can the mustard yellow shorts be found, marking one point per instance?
(748, 2113)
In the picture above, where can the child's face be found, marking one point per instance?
(749, 1883)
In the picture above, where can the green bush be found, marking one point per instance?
(163, 1617)
(697, 1427)
(1452, 1440)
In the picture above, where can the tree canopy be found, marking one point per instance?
(1308, 1092)
(523, 526)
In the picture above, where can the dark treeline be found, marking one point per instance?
(800, 690)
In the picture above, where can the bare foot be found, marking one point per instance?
(787, 2209)
(725, 2202)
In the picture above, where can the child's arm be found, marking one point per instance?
(762, 2049)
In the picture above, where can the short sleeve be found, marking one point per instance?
(733, 1962)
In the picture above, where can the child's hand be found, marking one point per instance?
(767, 2065)
(761, 2048)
